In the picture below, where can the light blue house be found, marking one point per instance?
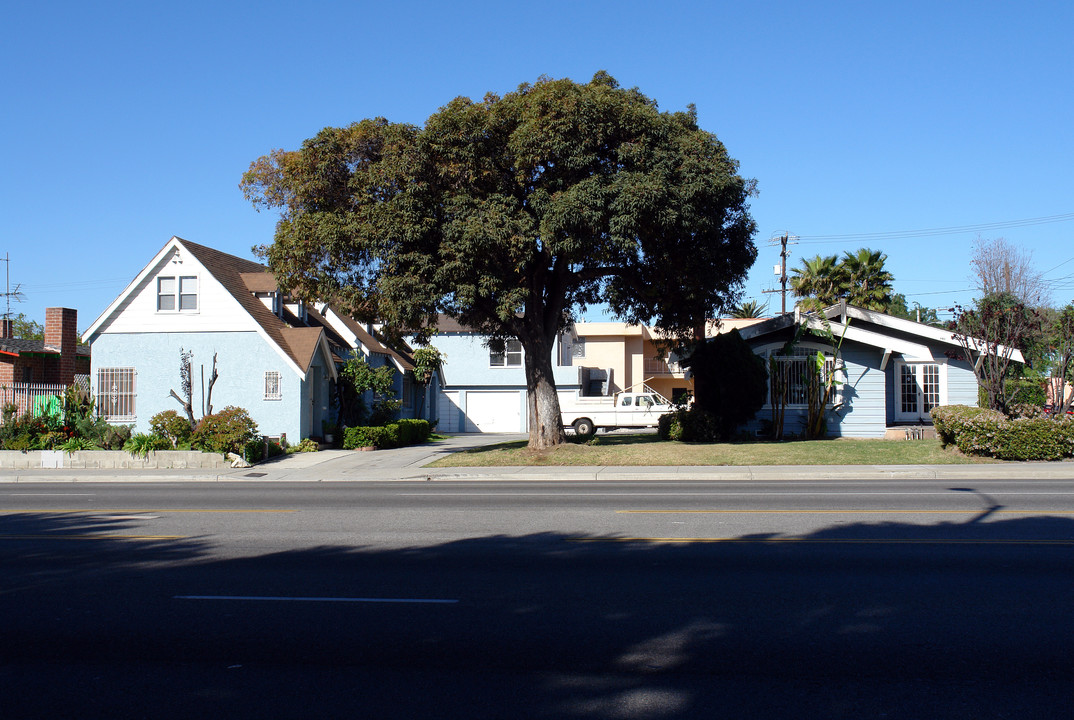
(272, 355)
(891, 371)
(483, 390)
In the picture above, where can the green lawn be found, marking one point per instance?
(615, 450)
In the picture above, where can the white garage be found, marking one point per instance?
(482, 410)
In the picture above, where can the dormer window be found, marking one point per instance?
(177, 293)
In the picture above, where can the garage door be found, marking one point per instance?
(493, 411)
(447, 411)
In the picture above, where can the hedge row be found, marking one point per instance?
(396, 434)
(976, 431)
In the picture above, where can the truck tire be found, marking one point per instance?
(583, 427)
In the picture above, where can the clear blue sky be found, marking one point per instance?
(126, 123)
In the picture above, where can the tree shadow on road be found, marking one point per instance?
(947, 619)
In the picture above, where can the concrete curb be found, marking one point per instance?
(313, 472)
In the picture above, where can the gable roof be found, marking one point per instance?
(402, 359)
(298, 345)
(890, 333)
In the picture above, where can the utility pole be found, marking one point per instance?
(781, 269)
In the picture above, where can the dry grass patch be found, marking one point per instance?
(640, 450)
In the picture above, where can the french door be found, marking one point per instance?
(919, 387)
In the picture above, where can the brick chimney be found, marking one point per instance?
(7, 329)
(61, 333)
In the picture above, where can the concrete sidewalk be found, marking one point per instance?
(408, 464)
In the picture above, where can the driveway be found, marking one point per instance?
(374, 465)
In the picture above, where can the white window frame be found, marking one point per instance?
(184, 289)
(511, 357)
(273, 385)
(802, 353)
(921, 414)
(117, 394)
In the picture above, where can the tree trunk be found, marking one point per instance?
(542, 402)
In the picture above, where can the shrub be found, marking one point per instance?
(412, 432)
(1026, 391)
(307, 445)
(170, 424)
(948, 420)
(986, 432)
(254, 451)
(115, 437)
(227, 431)
(693, 425)
(75, 444)
(142, 444)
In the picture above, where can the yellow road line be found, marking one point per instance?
(820, 541)
(974, 511)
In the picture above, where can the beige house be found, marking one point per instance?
(614, 357)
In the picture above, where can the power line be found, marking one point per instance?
(953, 230)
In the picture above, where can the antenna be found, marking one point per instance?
(8, 292)
(781, 269)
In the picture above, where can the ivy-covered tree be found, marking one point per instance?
(511, 215)
(357, 377)
(428, 360)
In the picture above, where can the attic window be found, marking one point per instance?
(177, 293)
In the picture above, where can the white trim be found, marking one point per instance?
(906, 348)
(919, 415)
(116, 304)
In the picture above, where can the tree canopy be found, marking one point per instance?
(513, 213)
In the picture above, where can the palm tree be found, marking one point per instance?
(819, 278)
(868, 284)
(749, 309)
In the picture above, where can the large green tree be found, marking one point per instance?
(513, 213)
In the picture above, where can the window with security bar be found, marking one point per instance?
(794, 374)
(116, 394)
(273, 387)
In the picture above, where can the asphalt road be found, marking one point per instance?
(803, 599)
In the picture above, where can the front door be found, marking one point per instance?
(918, 389)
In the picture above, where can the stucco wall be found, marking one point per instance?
(242, 360)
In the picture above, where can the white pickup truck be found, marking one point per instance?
(623, 410)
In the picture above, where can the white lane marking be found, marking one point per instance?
(268, 598)
(50, 494)
(124, 517)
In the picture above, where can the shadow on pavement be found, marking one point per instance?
(954, 620)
